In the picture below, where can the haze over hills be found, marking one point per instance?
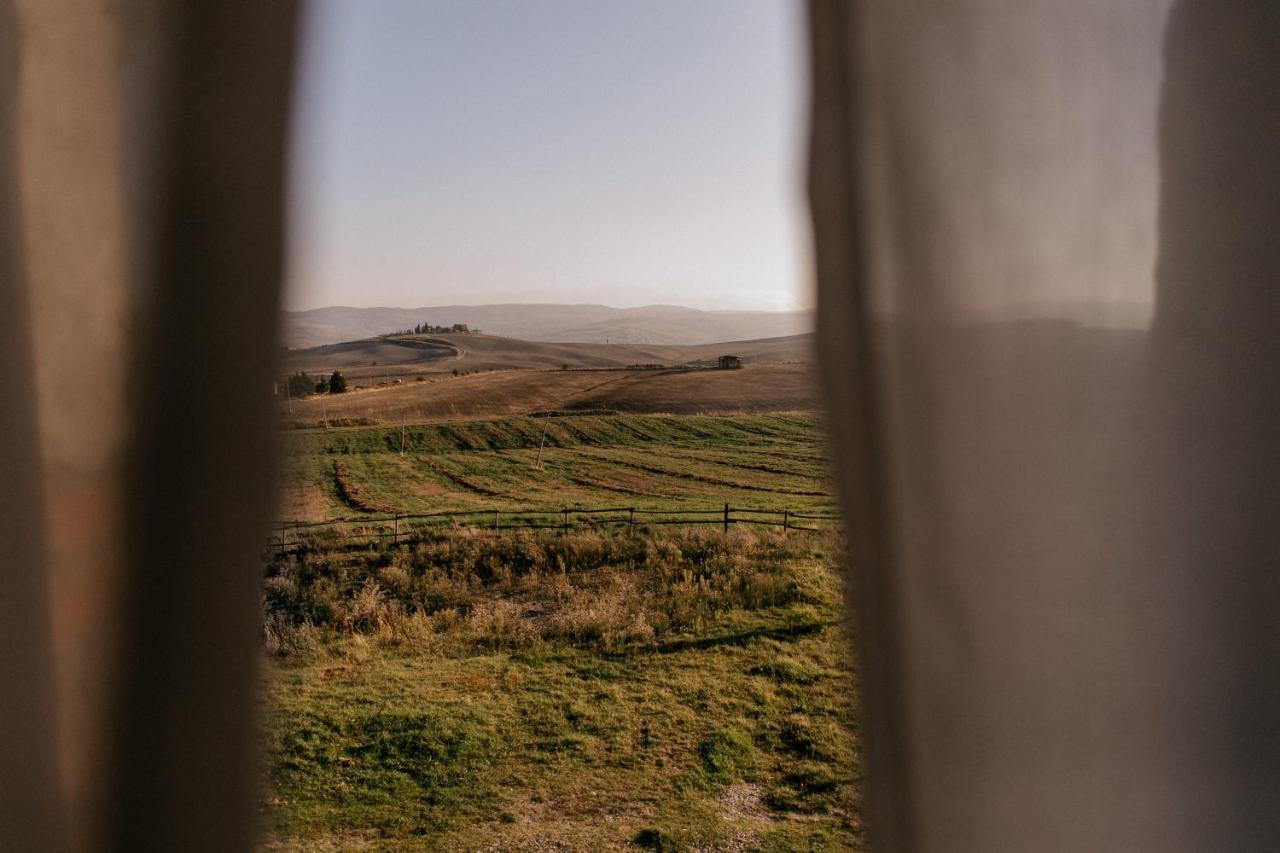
(652, 324)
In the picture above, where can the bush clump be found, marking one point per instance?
(596, 588)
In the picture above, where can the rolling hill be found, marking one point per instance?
(477, 375)
(380, 359)
(653, 324)
(754, 389)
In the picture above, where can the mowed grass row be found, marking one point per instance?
(568, 430)
(643, 461)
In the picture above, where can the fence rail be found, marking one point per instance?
(401, 527)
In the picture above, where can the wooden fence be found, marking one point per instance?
(402, 527)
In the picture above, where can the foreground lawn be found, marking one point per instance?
(703, 703)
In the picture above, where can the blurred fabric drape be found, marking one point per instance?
(1050, 332)
(1048, 327)
(142, 163)
(29, 793)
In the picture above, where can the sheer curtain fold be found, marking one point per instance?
(1063, 574)
(1062, 511)
(142, 166)
(30, 816)
(201, 451)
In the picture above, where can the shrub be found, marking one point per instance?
(281, 592)
(364, 608)
(396, 579)
(282, 638)
(300, 385)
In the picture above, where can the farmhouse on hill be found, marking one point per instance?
(730, 362)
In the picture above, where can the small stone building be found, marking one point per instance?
(730, 362)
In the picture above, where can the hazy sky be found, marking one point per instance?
(627, 152)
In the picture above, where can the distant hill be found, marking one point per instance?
(652, 324)
(379, 359)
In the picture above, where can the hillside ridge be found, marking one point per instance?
(556, 323)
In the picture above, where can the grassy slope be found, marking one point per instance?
(469, 352)
(646, 461)
(441, 752)
(756, 388)
(524, 710)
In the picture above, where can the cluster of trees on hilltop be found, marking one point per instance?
(428, 329)
(302, 385)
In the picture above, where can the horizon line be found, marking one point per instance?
(551, 305)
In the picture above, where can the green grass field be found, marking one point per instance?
(673, 689)
(645, 461)
(677, 690)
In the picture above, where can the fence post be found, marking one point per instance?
(496, 525)
(726, 518)
(566, 520)
(786, 519)
(395, 533)
(631, 519)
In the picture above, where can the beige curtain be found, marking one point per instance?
(29, 816)
(1047, 270)
(142, 154)
(1049, 309)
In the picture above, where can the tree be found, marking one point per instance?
(300, 385)
(337, 383)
